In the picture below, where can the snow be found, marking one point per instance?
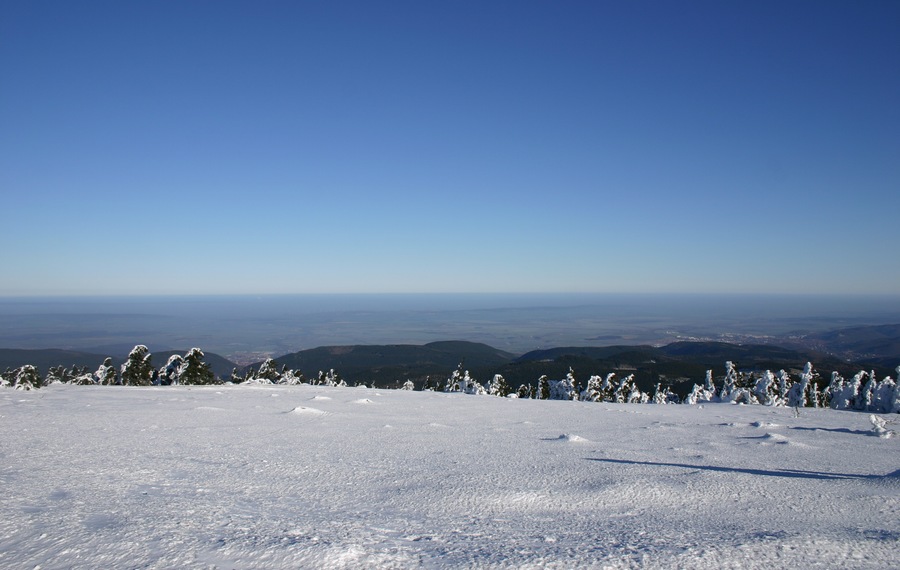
(303, 476)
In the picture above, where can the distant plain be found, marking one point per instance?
(244, 328)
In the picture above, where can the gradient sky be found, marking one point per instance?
(331, 146)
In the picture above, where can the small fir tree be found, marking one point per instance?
(138, 368)
(106, 373)
(26, 378)
(194, 370)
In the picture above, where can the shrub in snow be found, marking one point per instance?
(292, 378)
(878, 426)
(408, 385)
(138, 369)
(83, 380)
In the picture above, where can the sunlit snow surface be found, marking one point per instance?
(301, 476)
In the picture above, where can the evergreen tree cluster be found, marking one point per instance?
(863, 392)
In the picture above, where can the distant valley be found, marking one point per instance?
(677, 364)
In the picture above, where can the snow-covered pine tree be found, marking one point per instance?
(798, 397)
(729, 384)
(710, 386)
(473, 386)
(666, 396)
(408, 385)
(26, 378)
(525, 391)
(563, 389)
(194, 370)
(268, 372)
(292, 378)
(543, 388)
(170, 374)
(138, 368)
(106, 373)
(55, 374)
(894, 406)
(499, 387)
(455, 382)
(624, 390)
(766, 389)
(593, 392)
(659, 397)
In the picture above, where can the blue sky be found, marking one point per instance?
(293, 147)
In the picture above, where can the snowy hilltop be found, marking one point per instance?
(315, 476)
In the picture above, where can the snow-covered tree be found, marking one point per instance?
(729, 384)
(543, 388)
(525, 391)
(170, 373)
(408, 385)
(431, 385)
(564, 389)
(499, 387)
(268, 372)
(83, 380)
(665, 396)
(798, 396)
(106, 373)
(26, 378)
(194, 370)
(292, 378)
(55, 374)
(710, 386)
(625, 390)
(592, 391)
(702, 394)
(766, 389)
(138, 369)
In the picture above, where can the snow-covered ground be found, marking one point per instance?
(318, 477)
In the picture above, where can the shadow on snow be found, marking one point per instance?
(766, 472)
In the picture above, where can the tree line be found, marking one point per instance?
(862, 392)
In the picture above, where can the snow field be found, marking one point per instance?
(312, 476)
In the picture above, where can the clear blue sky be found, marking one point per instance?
(330, 146)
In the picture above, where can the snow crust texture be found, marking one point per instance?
(306, 477)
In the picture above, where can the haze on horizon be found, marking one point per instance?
(202, 147)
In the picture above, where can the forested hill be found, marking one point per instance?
(395, 363)
(678, 365)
